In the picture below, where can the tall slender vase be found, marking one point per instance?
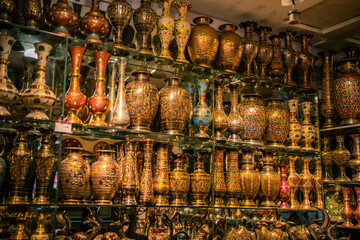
(179, 182)
(290, 56)
(219, 177)
(251, 47)
(307, 128)
(357, 211)
(221, 121)
(306, 60)
(147, 183)
(326, 158)
(3, 166)
(165, 28)
(318, 183)
(62, 17)
(347, 213)
(8, 92)
(161, 178)
(235, 119)
(295, 126)
(39, 97)
(306, 183)
(293, 181)
(182, 30)
(31, 12)
(190, 88)
(200, 183)
(99, 103)
(202, 113)
(355, 163)
(233, 187)
(7, 8)
(276, 68)
(130, 183)
(341, 156)
(265, 51)
(327, 108)
(284, 188)
(74, 98)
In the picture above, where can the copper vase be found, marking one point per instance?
(233, 180)
(306, 60)
(347, 213)
(161, 178)
(357, 211)
(219, 177)
(284, 195)
(318, 183)
(62, 17)
(265, 51)
(276, 68)
(147, 182)
(290, 56)
(220, 118)
(179, 182)
(251, 47)
(7, 7)
(200, 183)
(307, 182)
(326, 158)
(293, 181)
(236, 124)
(32, 13)
(341, 156)
(355, 162)
(307, 128)
(295, 127)
(130, 178)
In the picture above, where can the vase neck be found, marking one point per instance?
(288, 41)
(63, 1)
(283, 172)
(234, 98)
(145, 3)
(305, 45)
(268, 161)
(179, 163)
(174, 81)
(248, 33)
(305, 169)
(95, 6)
(40, 76)
(219, 97)
(100, 87)
(317, 167)
(292, 165)
(75, 82)
(276, 41)
(3, 69)
(166, 8)
(183, 12)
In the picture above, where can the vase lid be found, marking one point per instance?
(203, 19)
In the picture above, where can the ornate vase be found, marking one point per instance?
(161, 177)
(278, 123)
(99, 103)
(8, 92)
(326, 158)
(318, 183)
(130, 183)
(221, 121)
(20, 232)
(307, 182)
(233, 187)
(357, 211)
(144, 19)
(333, 202)
(284, 188)
(147, 184)
(306, 60)
(341, 156)
(44, 167)
(307, 128)
(62, 17)
(230, 49)
(203, 43)
(7, 7)
(75, 99)
(200, 183)
(219, 178)
(235, 119)
(174, 106)
(119, 12)
(276, 67)
(347, 213)
(31, 11)
(105, 177)
(113, 67)
(290, 56)
(120, 114)
(165, 27)
(40, 232)
(346, 89)
(327, 108)
(295, 126)
(39, 97)
(265, 51)
(355, 163)
(179, 182)
(19, 160)
(3, 168)
(251, 47)
(74, 176)
(190, 88)
(249, 179)
(182, 30)
(142, 100)
(293, 181)
(269, 181)
(93, 24)
(202, 113)
(253, 113)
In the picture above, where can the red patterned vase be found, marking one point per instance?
(276, 68)
(347, 213)
(357, 211)
(293, 181)
(219, 177)
(233, 188)
(284, 189)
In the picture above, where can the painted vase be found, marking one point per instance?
(265, 52)
(191, 89)
(182, 30)
(174, 106)
(293, 181)
(276, 67)
(341, 156)
(346, 90)
(334, 202)
(146, 196)
(93, 24)
(295, 126)
(219, 177)
(290, 56)
(203, 43)
(40, 232)
(284, 195)
(165, 27)
(75, 99)
(3, 168)
(278, 123)
(307, 182)
(347, 213)
(7, 8)
(161, 177)
(179, 182)
(357, 211)
(355, 162)
(130, 183)
(307, 128)
(74, 176)
(253, 113)
(39, 97)
(31, 12)
(142, 100)
(236, 125)
(221, 121)
(233, 183)
(62, 17)
(8, 92)
(99, 103)
(326, 158)
(202, 114)
(200, 183)
(318, 183)
(306, 60)
(251, 47)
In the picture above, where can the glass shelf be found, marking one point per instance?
(342, 183)
(346, 129)
(350, 228)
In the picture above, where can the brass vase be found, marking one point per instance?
(219, 183)
(44, 167)
(347, 213)
(7, 7)
(182, 30)
(147, 183)
(130, 178)
(161, 178)
(40, 232)
(251, 47)
(236, 124)
(269, 180)
(318, 183)
(326, 158)
(307, 182)
(230, 49)
(265, 52)
(290, 56)
(233, 181)
(179, 182)
(31, 11)
(20, 232)
(62, 17)
(221, 121)
(276, 68)
(341, 156)
(293, 181)
(327, 108)
(142, 100)
(249, 179)
(278, 123)
(295, 126)
(307, 128)
(203, 43)
(355, 162)
(74, 176)
(105, 177)
(200, 183)
(306, 60)
(346, 89)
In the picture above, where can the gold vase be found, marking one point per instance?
(293, 181)
(341, 157)
(40, 232)
(295, 126)
(251, 47)
(307, 182)
(265, 51)
(130, 178)
(235, 119)
(161, 178)
(219, 177)
(31, 12)
(7, 7)
(355, 162)
(306, 60)
(318, 183)
(200, 183)
(179, 182)
(326, 158)
(147, 183)
(220, 118)
(20, 233)
(290, 56)
(307, 128)
(276, 68)
(233, 187)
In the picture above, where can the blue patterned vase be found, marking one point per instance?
(202, 113)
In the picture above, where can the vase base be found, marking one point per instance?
(219, 202)
(349, 121)
(85, 201)
(4, 111)
(233, 203)
(308, 148)
(161, 200)
(98, 124)
(293, 146)
(268, 204)
(16, 200)
(119, 50)
(140, 128)
(284, 205)
(129, 200)
(41, 200)
(199, 203)
(247, 203)
(328, 125)
(347, 224)
(71, 201)
(103, 202)
(307, 206)
(234, 138)
(219, 136)
(342, 178)
(328, 179)
(173, 132)
(252, 141)
(178, 202)
(277, 144)
(204, 135)
(38, 115)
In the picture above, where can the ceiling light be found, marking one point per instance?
(290, 2)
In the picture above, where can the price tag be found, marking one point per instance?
(63, 127)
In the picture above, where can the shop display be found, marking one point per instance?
(62, 17)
